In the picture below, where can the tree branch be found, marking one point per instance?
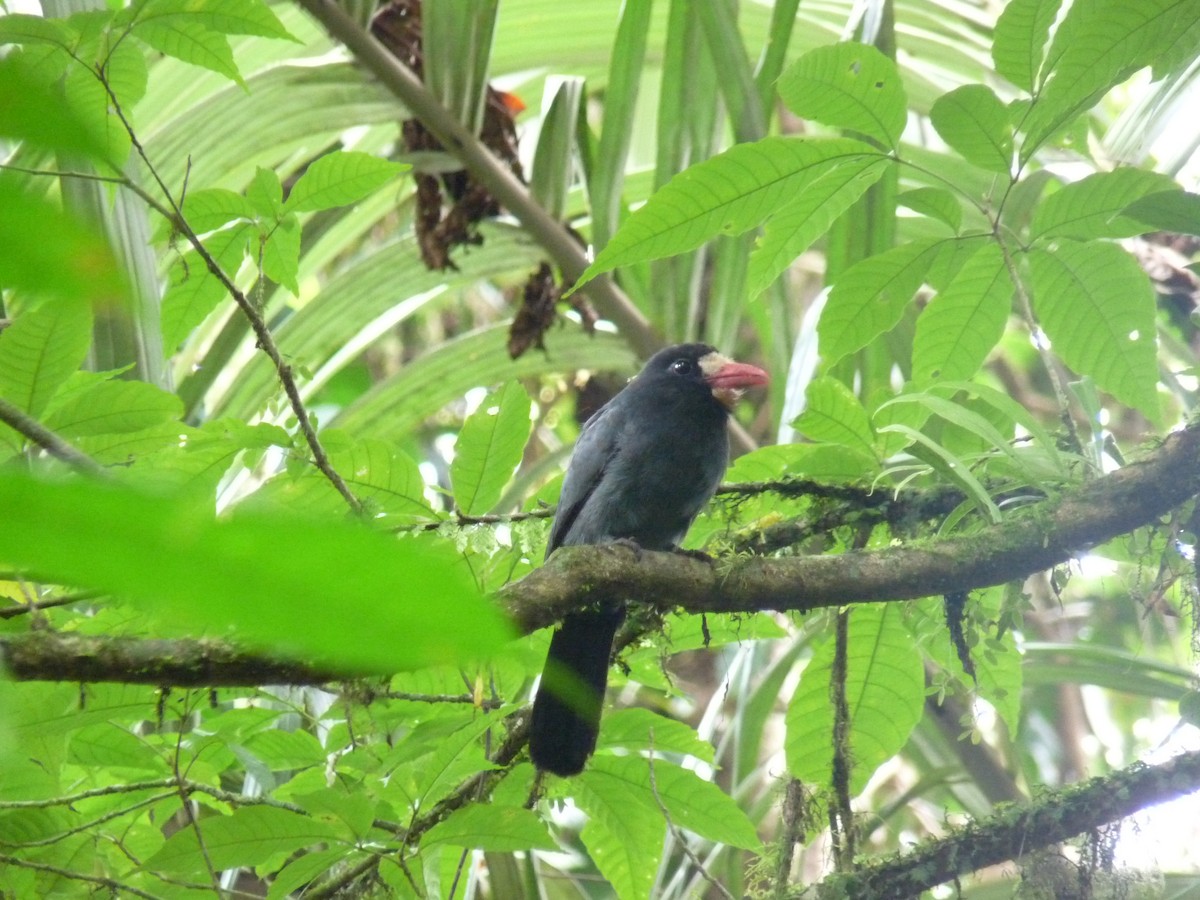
(1035, 538)
(1038, 537)
(49, 441)
(1058, 816)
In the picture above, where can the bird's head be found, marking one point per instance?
(703, 365)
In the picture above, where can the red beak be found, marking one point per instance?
(736, 375)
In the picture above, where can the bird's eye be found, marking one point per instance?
(682, 367)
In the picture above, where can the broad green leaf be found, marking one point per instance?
(1097, 307)
(834, 415)
(1019, 43)
(22, 28)
(1171, 210)
(113, 407)
(961, 325)
(39, 350)
(869, 297)
(280, 253)
(306, 869)
(974, 121)
(265, 193)
(378, 473)
(339, 179)
(793, 228)
(195, 291)
(625, 828)
(848, 85)
(209, 208)
(1098, 206)
(1096, 47)
(725, 195)
(489, 448)
(820, 462)
(279, 750)
(188, 39)
(635, 728)
(503, 829)
(248, 836)
(112, 744)
(225, 16)
(331, 591)
(47, 252)
(937, 203)
(885, 692)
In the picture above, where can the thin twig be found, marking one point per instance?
(119, 888)
(56, 446)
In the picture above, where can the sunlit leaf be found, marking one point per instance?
(39, 350)
(1019, 44)
(1098, 206)
(246, 837)
(834, 415)
(1097, 307)
(1171, 210)
(974, 121)
(961, 325)
(727, 194)
(870, 297)
(847, 85)
(340, 178)
(937, 203)
(489, 448)
(504, 829)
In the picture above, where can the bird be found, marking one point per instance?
(643, 467)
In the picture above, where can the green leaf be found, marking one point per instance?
(937, 203)
(848, 85)
(111, 744)
(1171, 210)
(502, 829)
(834, 415)
(489, 448)
(624, 831)
(210, 208)
(113, 407)
(793, 228)
(39, 351)
(280, 253)
(1097, 46)
(225, 16)
(1097, 307)
(248, 836)
(961, 325)
(265, 193)
(195, 291)
(187, 38)
(37, 111)
(869, 297)
(1098, 206)
(327, 591)
(1019, 41)
(885, 692)
(339, 179)
(1189, 708)
(820, 462)
(727, 194)
(974, 121)
(22, 28)
(640, 729)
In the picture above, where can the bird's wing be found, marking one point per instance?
(598, 445)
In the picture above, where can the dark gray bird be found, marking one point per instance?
(643, 467)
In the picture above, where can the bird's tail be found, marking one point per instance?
(566, 711)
